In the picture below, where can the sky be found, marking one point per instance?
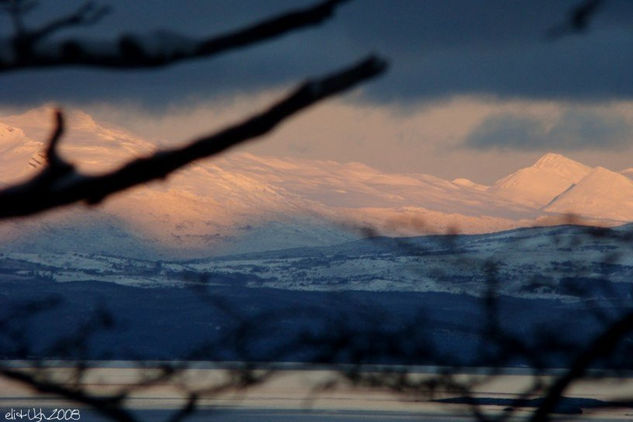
(474, 89)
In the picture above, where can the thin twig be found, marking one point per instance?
(87, 14)
(106, 406)
(601, 346)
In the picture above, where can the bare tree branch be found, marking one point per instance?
(581, 15)
(578, 19)
(109, 406)
(153, 50)
(16, 9)
(52, 156)
(87, 14)
(59, 185)
(601, 346)
(186, 410)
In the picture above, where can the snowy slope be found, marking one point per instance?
(16, 147)
(538, 184)
(601, 194)
(461, 181)
(358, 186)
(93, 147)
(542, 262)
(628, 172)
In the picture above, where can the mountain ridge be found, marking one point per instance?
(539, 183)
(602, 193)
(233, 196)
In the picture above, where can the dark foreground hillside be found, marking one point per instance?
(43, 319)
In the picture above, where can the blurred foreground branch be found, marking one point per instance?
(60, 184)
(31, 49)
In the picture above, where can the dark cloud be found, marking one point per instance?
(437, 48)
(574, 130)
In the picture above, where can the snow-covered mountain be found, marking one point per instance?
(537, 185)
(600, 194)
(90, 145)
(16, 147)
(241, 202)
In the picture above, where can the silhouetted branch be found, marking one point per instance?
(87, 14)
(52, 157)
(578, 19)
(601, 346)
(109, 406)
(53, 188)
(161, 48)
(16, 9)
(186, 410)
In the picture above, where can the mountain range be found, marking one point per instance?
(240, 202)
(262, 236)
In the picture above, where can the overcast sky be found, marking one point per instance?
(475, 88)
